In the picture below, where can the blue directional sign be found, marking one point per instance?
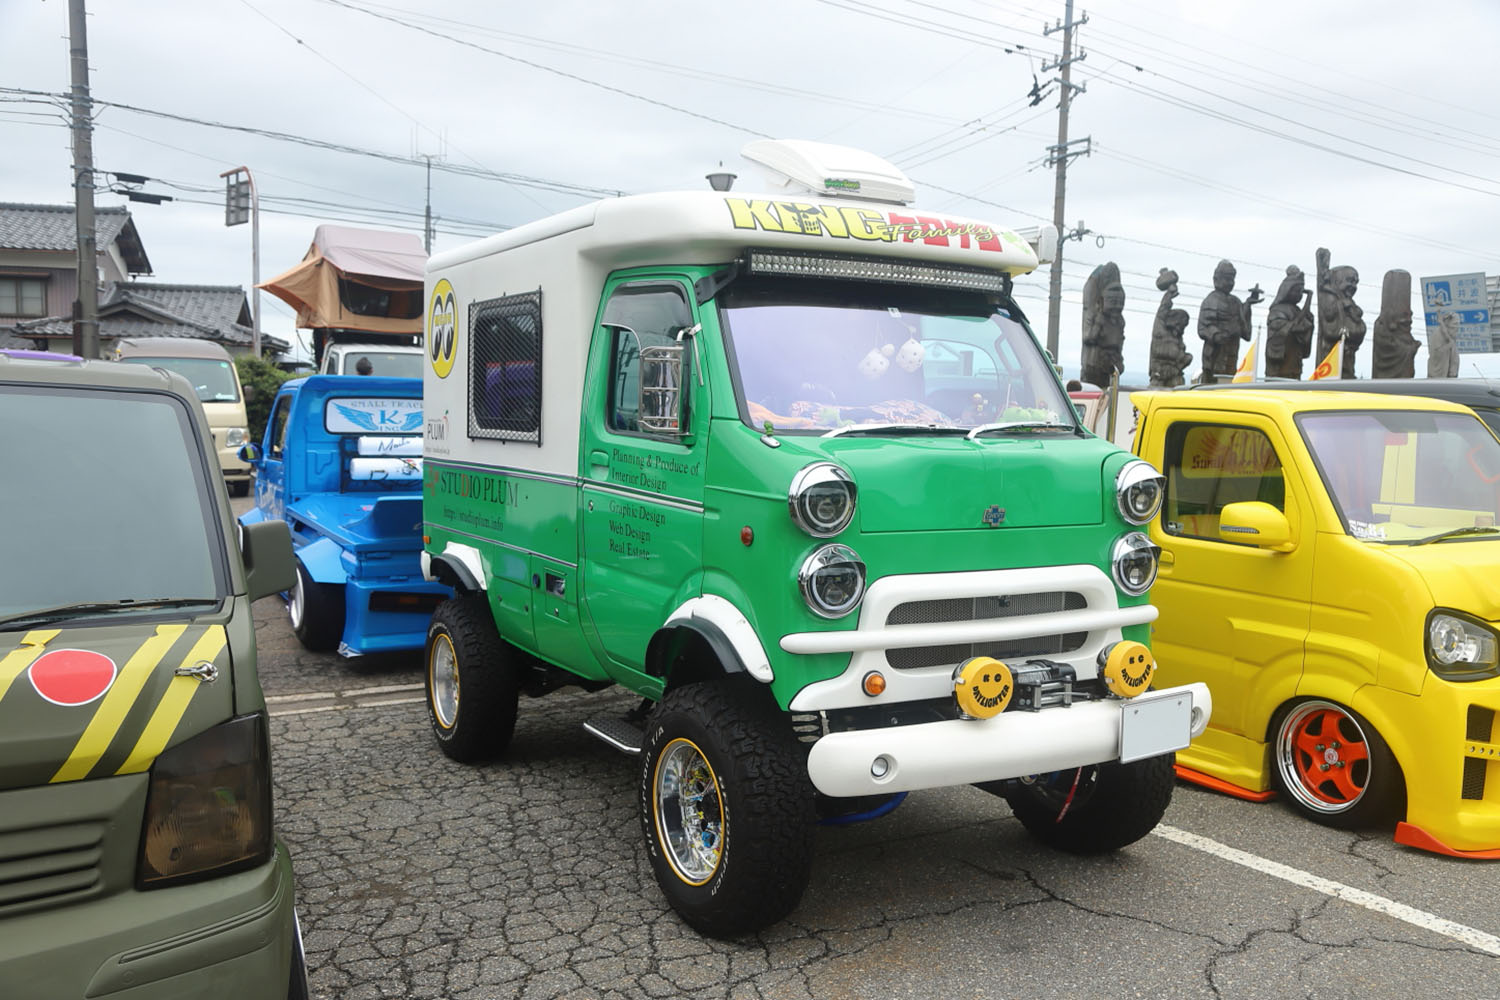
(1463, 297)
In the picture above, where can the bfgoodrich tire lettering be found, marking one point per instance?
(1095, 809)
(756, 797)
(472, 680)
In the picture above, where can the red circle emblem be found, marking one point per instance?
(72, 676)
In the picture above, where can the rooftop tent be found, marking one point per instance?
(368, 280)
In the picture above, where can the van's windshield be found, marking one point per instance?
(895, 360)
(106, 505)
(212, 380)
(1408, 476)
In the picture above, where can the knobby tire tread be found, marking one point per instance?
(488, 683)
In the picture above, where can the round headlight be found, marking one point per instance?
(832, 581)
(234, 437)
(1138, 492)
(821, 499)
(1134, 563)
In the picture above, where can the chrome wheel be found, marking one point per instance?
(442, 680)
(688, 811)
(1323, 757)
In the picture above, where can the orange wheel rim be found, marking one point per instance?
(1324, 757)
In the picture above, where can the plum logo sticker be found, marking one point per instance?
(442, 328)
(72, 677)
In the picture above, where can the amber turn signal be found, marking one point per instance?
(874, 683)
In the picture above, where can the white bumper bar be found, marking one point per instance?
(1011, 745)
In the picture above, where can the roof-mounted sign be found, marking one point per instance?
(830, 171)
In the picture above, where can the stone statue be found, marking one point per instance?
(1442, 346)
(1103, 325)
(1169, 356)
(1289, 326)
(1395, 349)
(1224, 321)
(1338, 316)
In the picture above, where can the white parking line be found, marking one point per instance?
(390, 701)
(385, 689)
(1418, 918)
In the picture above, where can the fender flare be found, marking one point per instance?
(460, 562)
(323, 560)
(726, 630)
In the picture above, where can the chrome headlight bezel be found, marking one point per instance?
(811, 486)
(1459, 646)
(1136, 481)
(825, 561)
(1126, 558)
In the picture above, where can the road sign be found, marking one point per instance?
(1462, 295)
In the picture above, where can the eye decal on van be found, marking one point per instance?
(442, 328)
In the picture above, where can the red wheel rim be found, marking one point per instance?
(1324, 757)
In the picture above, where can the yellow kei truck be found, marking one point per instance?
(1328, 568)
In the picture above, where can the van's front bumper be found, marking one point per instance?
(226, 938)
(1013, 744)
(1447, 741)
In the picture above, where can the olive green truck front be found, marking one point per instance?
(138, 857)
(794, 469)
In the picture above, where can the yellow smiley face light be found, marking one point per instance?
(1128, 667)
(983, 687)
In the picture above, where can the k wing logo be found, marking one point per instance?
(854, 222)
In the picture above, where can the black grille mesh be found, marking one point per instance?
(1474, 778)
(505, 368)
(1480, 724)
(966, 609)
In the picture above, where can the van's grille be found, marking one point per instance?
(1480, 724)
(1474, 769)
(1479, 727)
(967, 609)
(49, 865)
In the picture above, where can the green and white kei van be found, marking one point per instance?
(794, 469)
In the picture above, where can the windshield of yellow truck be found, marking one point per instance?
(1408, 476)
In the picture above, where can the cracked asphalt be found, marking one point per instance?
(421, 878)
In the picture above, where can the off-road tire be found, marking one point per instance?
(1114, 804)
(762, 792)
(239, 487)
(1374, 792)
(485, 677)
(316, 611)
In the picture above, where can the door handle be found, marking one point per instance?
(1166, 559)
(598, 464)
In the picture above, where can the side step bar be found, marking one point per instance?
(619, 733)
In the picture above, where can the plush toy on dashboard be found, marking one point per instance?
(875, 364)
(911, 355)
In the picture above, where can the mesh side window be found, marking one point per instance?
(505, 368)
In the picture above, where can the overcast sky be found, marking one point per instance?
(1253, 131)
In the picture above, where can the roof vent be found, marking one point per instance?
(819, 168)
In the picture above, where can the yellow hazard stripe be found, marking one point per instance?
(111, 712)
(174, 703)
(18, 659)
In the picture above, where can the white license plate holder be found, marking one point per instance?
(1155, 723)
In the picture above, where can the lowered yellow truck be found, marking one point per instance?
(1330, 567)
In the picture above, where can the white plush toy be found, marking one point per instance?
(874, 364)
(911, 355)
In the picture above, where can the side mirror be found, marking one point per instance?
(249, 392)
(1256, 523)
(660, 400)
(270, 567)
(250, 453)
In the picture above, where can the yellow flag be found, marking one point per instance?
(1329, 367)
(1246, 371)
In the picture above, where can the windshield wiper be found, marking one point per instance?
(891, 428)
(1457, 533)
(1018, 424)
(89, 609)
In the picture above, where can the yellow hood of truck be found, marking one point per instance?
(1462, 573)
(87, 702)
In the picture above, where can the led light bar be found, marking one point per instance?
(891, 271)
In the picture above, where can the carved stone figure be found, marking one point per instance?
(1395, 349)
(1338, 316)
(1169, 356)
(1224, 321)
(1442, 346)
(1289, 326)
(1103, 325)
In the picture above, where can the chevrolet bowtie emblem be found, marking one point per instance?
(993, 515)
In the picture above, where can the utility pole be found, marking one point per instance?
(427, 214)
(86, 305)
(1058, 156)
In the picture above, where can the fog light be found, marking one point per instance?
(1127, 668)
(982, 686)
(880, 767)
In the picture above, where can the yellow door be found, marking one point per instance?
(1232, 615)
